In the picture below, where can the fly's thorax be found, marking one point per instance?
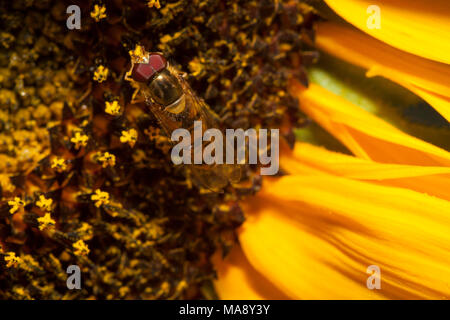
(166, 90)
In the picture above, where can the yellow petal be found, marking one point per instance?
(310, 159)
(437, 101)
(315, 236)
(364, 134)
(428, 79)
(238, 280)
(419, 27)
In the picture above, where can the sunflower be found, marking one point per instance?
(375, 195)
(86, 176)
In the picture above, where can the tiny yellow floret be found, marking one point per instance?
(81, 248)
(16, 204)
(80, 140)
(100, 198)
(12, 260)
(138, 52)
(98, 13)
(129, 136)
(154, 3)
(46, 221)
(107, 159)
(112, 108)
(101, 74)
(59, 164)
(44, 203)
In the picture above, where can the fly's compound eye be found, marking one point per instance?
(144, 72)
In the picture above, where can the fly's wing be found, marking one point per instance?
(197, 106)
(206, 177)
(219, 174)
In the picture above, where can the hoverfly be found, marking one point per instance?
(175, 105)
